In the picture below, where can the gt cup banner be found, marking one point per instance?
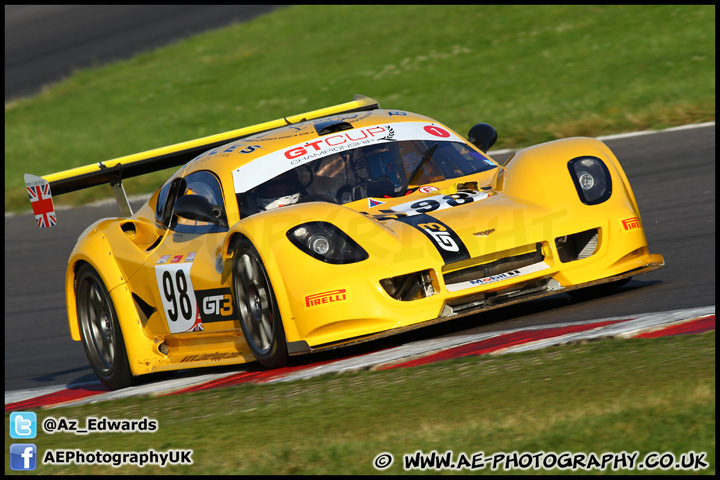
(270, 166)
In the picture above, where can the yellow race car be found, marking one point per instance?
(332, 227)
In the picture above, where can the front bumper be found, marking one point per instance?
(477, 303)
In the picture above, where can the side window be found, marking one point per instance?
(206, 185)
(167, 195)
(162, 201)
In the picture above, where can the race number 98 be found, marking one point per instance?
(438, 202)
(177, 295)
(179, 300)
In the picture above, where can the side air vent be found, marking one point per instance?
(577, 246)
(144, 309)
(154, 244)
(331, 126)
(129, 229)
(412, 286)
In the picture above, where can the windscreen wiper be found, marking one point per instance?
(425, 158)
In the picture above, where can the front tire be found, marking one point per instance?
(257, 307)
(100, 331)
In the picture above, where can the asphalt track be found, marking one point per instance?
(672, 174)
(46, 43)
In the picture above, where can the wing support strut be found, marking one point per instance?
(118, 190)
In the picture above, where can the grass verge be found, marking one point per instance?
(655, 395)
(535, 72)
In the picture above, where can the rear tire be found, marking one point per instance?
(257, 307)
(100, 331)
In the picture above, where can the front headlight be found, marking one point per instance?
(326, 242)
(591, 178)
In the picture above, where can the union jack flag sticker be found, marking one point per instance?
(41, 200)
(198, 325)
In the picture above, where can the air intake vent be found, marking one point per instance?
(577, 246)
(505, 263)
(412, 286)
(331, 126)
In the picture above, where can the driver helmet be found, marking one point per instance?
(380, 163)
(197, 188)
(280, 191)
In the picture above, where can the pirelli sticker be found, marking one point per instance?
(331, 297)
(631, 223)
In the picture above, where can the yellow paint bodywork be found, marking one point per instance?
(395, 248)
(531, 201)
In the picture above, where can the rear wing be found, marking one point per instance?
(41, 189)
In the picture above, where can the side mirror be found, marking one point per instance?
(195, 207)
(483, 136)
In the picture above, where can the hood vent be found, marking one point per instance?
(331, 126)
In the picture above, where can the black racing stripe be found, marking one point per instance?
(448, 243)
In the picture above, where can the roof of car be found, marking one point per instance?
(241, 152)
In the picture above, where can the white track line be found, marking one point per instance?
(630, 324)
(634, 323)
(643, 323)
(618, 136)
(142, 198)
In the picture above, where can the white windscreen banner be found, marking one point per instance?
(273, 164)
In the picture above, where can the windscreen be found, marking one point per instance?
(381, 168)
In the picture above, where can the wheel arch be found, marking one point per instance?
(94, 250)
(548, 162)
(265, 248)
(108, 271)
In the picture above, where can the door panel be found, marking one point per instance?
(188, 284)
